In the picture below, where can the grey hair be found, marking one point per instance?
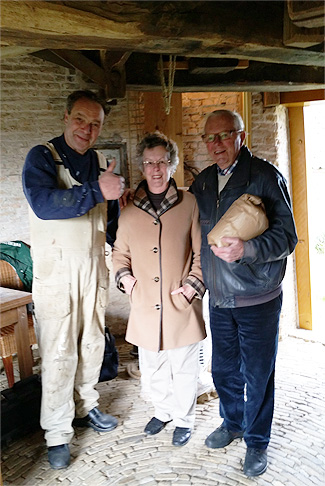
(158, 139)
(233, 115)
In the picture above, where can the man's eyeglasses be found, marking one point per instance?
(151, 164)
(221, 136)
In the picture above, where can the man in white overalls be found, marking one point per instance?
(73, 200)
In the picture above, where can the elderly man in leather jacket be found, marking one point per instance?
(244, 282)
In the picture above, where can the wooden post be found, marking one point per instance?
(245, 111)
(300, 209)
(155, 118)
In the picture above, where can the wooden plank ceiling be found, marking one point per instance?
(219, 46)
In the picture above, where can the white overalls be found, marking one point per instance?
(70, 287)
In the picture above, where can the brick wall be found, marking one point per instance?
(196, 106)
(31, 111)
(33, 101)
(34, 93)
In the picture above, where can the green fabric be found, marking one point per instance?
(17, 253)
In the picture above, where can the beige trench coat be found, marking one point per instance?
(162, 250)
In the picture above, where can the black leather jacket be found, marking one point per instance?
(262, 267)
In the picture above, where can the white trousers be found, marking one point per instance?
(70, 307)
(171, 378)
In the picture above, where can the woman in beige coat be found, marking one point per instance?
(156, 259)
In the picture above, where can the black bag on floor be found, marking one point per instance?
(110, 361)
(20, 409)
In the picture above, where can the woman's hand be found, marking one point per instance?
(128, 282)
(187, 290)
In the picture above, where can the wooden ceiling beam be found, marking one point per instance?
(302, 97)
(234, 86)
(310, 14)
(114, 68)
(8, 52)
(78, 61)
(50, 56)
(142, 74)
(197, 29)
(302, 37)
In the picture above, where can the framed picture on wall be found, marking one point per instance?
(118, 151)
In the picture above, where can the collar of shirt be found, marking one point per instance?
(228, 170)
(82, 167)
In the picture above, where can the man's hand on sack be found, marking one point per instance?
(234, 251)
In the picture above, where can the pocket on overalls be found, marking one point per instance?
(51, 301)
(103, 293)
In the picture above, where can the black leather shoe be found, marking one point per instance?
(221, 437)
(59, 456)
(154, 426)
(255, 462)
(181, 436)
(99, 421)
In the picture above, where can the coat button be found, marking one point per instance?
(156, 279)
(155, 249)
(156, 221)
(157, 306)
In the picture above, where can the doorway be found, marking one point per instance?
(314, 121)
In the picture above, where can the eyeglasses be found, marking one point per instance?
(221, 136)
(150, 164)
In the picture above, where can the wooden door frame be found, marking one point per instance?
(246, 113)
(295, 102)
(300, 211)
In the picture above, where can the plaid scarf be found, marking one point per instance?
(142, 201)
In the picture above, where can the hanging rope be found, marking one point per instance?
(167, 91)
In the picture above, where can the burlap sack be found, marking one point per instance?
(245, 219)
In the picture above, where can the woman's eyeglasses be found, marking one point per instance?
(151, 164)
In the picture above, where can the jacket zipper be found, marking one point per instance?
(214, 264)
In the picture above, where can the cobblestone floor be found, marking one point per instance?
(126, 456)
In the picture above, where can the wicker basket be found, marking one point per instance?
(8, 346)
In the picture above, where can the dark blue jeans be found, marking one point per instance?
(244, 347)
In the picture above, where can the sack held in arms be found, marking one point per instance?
(110, 361)
(245, 219)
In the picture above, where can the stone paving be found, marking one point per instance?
(126, 456)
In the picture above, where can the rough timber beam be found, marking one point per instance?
(114, 68)
(294, 36)
(76, 60)
(310, 14)
(182, 28)
(142, 74)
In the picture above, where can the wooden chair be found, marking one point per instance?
(8, 347)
